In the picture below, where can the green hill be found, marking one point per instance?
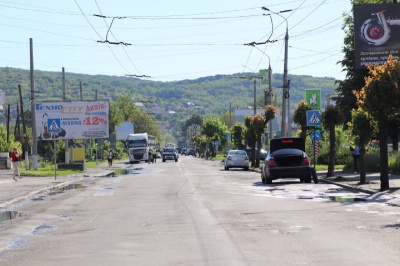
(213, 93)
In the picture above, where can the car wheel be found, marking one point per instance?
(268, 180)
(176, 160)
(307, 179)
(226, 168)
(246, 168)
(163, 160)
(302, 180)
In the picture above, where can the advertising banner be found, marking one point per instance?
(313, 98)
(377, 33)
(77, 120)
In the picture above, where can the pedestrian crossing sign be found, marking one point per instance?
(313, 118)
(54, 125)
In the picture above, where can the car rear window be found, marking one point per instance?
(238, 152)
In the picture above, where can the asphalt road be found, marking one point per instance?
(195, 213)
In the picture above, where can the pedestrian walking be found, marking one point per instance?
(356, 157)
(154, 154)
(16, 160)
(150, 155)
(110, 157)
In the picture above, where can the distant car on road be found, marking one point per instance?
(237, 159)
(286, 159)
(169, 153)
(192, 152)
(183, 152)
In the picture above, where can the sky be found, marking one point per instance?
(173, 40)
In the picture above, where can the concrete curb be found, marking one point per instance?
(48, 189)
(39, 191)
(367, 191)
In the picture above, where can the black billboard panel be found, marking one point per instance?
(376, 33)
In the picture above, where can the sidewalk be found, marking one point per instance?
(12, 192)
(372, 186)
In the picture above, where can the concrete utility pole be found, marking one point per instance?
(270, 94)
(24, 128)
(285, 91)
(285, 94)
(64, 100)
(255, 100)
(33, 116)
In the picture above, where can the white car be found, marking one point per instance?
(237, 159)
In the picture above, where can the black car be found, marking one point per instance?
(192, 152)
(286, 159)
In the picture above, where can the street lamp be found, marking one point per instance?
(285, 92)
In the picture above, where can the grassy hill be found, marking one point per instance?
(213, 93)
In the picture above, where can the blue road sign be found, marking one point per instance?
(315, 135)
(54, 125)
(313, 118)
(228, 136)
(216, 143)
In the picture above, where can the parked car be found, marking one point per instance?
(286, 159)
(237, 159)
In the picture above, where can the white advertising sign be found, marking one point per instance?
(78, 120)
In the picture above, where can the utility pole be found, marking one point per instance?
(285, 91)
(64, 100)
(255, 100)
(80, 90)
(254, 86)
(33, 116)
(24, 129)
(285, 85)
(270, 95)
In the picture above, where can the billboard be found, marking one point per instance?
(78, 120)
(376, 33)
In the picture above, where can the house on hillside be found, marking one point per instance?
(140, 105)
(155, 109)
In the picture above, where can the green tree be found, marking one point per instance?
(331, 117)
(214, 129)
(380, 97)
(362, 129)
(116, 116)
(257, 123)
(238, 134)
(250, 137)
(228, 119)
(300, 117)
(269, 114)
(394, 125)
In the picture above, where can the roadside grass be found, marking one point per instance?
(48, 169)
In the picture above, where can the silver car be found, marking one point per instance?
(237, 159)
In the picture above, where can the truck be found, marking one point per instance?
(138, 146)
